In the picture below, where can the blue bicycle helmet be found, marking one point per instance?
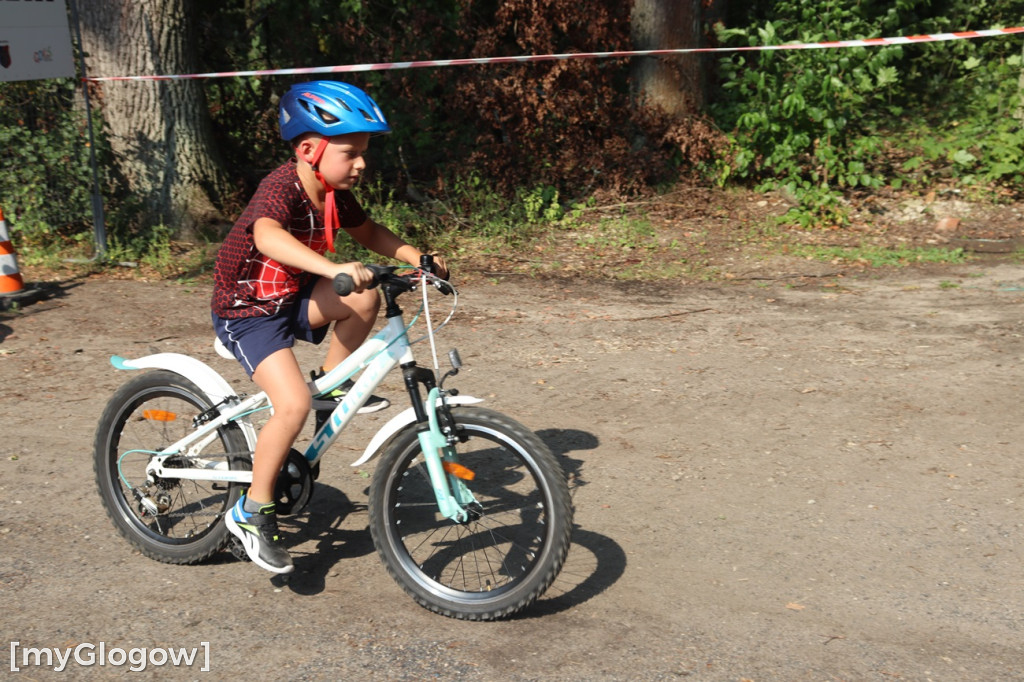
(329, 108)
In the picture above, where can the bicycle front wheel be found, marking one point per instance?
(515, 541)
(174, 520)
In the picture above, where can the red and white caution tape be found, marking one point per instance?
(434, 63)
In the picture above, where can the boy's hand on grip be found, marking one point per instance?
(352, 277)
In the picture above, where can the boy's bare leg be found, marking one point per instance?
(253, 519)
(280, 376)
(353, 315)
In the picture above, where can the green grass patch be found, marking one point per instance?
(879, 256)
(619, 234)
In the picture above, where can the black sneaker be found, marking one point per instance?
(260, 537)
(329, 401)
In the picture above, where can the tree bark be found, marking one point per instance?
(159, 131)
(673, 84)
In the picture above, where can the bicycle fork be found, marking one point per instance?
(437, 436)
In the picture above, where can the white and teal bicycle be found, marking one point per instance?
(469, 510)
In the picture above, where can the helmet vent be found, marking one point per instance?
(369, 118)
(326, 116)
(342, 103)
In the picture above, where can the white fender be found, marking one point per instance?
(399, 422)
(199, 373)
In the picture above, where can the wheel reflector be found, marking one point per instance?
(458, 471)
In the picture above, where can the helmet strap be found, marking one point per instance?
(331, 221)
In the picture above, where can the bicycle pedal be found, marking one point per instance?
(237, 550)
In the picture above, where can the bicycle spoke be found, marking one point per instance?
(170, 519)
(506, 552)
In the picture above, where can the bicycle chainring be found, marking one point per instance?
(237, 549)
(294, 486)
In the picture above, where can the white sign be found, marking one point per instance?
(35, 41)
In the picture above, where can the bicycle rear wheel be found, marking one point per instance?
(173, 520)
(518, 535)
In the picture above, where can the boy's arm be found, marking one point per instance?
(275, 242)
(380, 239)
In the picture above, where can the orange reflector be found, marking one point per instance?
(458, 471)
(159, 415)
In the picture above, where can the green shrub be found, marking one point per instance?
(807, 120)
(823, 123)
(45, 184)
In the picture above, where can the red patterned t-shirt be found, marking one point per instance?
(248, 283)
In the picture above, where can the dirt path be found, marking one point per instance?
(817, 481)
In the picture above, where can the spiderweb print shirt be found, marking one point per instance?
(248, 283)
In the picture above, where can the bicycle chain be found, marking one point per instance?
(181, 515)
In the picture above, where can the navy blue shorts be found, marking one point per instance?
(253, 339)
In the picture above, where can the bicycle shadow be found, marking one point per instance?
(595, 561)
(321, 522)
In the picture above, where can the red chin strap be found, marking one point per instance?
(330, 208)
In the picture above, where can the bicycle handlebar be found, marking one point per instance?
(344, 285)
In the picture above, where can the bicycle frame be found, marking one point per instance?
(373, 360)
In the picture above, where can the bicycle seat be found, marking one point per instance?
(221, 349)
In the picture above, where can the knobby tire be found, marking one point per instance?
(502, 560)
(144, 416)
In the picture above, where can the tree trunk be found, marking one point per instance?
(159, 131)
(673, 84)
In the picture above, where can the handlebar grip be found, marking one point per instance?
(343, 284)
(427, 264)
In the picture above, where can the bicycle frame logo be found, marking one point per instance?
(382, 359)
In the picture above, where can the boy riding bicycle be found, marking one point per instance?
(272, 283)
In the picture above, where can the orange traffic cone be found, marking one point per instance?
(10, 278)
